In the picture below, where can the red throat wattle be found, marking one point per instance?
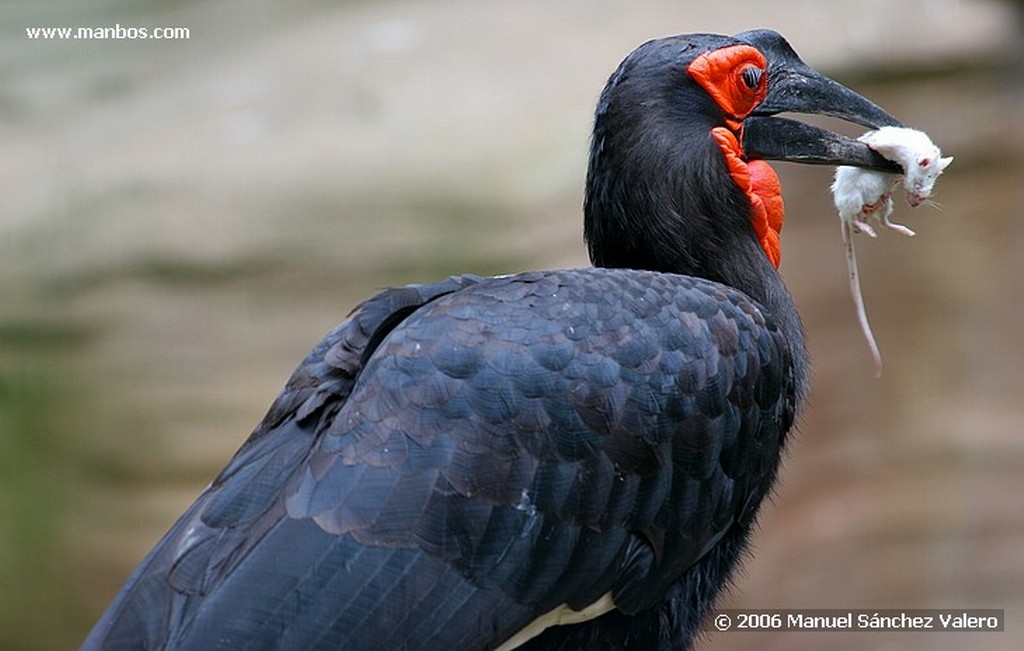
(759, 182)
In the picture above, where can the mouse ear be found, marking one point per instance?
(944, 162)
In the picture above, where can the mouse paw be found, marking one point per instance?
(899, 228)
(861, 226)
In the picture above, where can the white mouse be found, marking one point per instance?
(862, 196)
(921, 160)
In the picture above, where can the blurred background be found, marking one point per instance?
(182, 220)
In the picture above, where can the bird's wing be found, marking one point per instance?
(513, 446)
(224, 522)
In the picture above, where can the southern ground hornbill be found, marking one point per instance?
(560, 459)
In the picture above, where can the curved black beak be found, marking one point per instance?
(795, 87)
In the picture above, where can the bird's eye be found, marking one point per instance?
(752, 76)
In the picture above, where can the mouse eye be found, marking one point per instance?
(752, 76)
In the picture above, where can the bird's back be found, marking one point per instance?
(458, 459)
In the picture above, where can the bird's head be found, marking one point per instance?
(677, 178)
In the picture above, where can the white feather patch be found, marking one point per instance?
(557, 617)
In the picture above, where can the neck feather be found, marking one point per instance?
(668, 203)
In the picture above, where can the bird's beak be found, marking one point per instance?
(795, 87)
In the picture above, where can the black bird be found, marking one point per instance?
(551, 460)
